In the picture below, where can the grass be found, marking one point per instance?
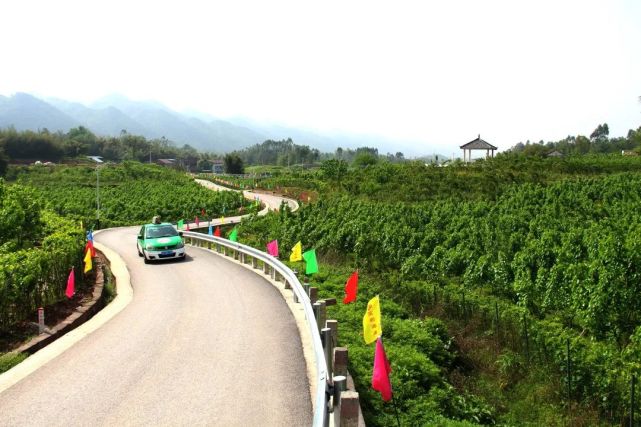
(9, 360)
(109, 291)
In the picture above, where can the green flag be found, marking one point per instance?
(180, 224)
(233, 236)
(311, 266)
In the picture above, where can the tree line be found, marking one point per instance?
(79, 142)
(599, 142)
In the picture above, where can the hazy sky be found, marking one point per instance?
(434, 72)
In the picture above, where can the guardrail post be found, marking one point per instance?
(339, 363)
(317, 314)
(349, 409)
(340, 385)
(326, 335)
(333, 325)
(254, 263)
(265, 268)
(288, 285)
(313, 294)
(323, 315)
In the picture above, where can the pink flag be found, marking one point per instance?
(71, 284)
(197, 221)
(380, 374)
(187, 226)
(272, 248)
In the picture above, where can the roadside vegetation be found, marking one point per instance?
(492, 271)
(510, 287)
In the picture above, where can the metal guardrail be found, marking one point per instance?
(321, 416)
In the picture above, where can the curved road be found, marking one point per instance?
(203, 342)
(271, 202)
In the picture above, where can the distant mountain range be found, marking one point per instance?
(110, 115)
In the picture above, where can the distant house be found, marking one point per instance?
(629, 153)
(97, 159)
(217, 166)
(555, 153)
(166, 162)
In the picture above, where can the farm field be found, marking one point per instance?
(488, 285)
(492, 276)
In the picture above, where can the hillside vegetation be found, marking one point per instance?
(521, 258)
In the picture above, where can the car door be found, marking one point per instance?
(141, 237)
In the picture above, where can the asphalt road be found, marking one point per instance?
(271, 201)
(203, 342)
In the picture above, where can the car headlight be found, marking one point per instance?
(180, 245)
(149, 247)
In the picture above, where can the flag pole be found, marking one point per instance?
(398, 421)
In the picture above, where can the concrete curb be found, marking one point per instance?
(56, 348)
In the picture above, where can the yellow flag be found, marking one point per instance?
(222, 219)
(297, 252)
(88, 264)
(372, 321)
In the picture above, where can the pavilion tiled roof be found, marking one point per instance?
(478, 144)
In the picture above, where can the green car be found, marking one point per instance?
(160, 241)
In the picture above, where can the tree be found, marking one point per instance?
(600, 133)
(364, 159)
(4, 162)
(203, 165)
(334, 170)
(582, 144)
(234, 164)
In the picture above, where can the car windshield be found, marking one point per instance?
(161, 231)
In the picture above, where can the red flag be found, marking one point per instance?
(217, 232)
(351, 287)
(188, 226)
(202, 212)
(380, 374)
(89, 247)
(71, 284)
(197, 221)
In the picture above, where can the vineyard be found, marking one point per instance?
(130, 193)
(38, 249)
(44, 212)
(510, 287)
(535, 278)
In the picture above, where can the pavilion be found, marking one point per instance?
(477, 144)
